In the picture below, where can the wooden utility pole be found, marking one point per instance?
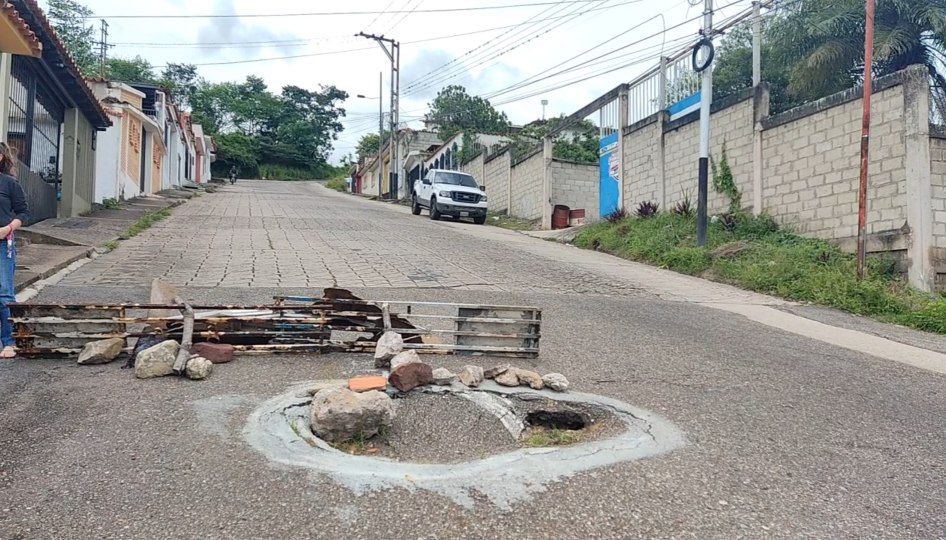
(865, 141)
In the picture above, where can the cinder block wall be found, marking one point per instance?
(576, 185)
(526, 178)
(811, 166)
(496, 179)
(642, 162)
(474, 167)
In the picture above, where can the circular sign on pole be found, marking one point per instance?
(703, 54)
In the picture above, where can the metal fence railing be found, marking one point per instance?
(40, 194)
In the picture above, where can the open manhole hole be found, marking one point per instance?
(499, 442)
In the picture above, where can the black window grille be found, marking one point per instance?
(35, 119)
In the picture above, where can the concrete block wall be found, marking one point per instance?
(526, 179)
(811, 168)
(474, 168)
(496, 169)
(731, 126)
(642, 163)
(575, 185)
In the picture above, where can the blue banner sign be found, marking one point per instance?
(609, 184)
(685, 106)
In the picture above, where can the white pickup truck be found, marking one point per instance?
(450, 193)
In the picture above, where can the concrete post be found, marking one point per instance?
(547, 183)
(662, 119)
(622, 123)
(70, 165)
(756, 44)
(662, 84)
(916, 121)
(760, 110)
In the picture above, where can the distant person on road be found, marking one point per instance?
(13, 212)
(233, 174)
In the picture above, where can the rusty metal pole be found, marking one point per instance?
(865, 142)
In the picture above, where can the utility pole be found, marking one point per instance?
(103, 47)
(703, 66)
(380, 124)
(865, 141)
(392, 49)
(545, 102)
(756, 43)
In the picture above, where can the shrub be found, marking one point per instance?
(647, 209)
(684, 207)
(617, 215)
(725, 184)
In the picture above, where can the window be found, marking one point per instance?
(456, 179)
(35, 119)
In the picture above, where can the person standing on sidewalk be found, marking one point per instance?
(13, 213)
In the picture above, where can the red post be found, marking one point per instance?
(865, 142)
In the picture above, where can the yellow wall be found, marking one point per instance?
(131, 147)
(156, 157)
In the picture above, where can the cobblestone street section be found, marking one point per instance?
(285, 234)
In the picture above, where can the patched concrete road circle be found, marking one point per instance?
(279, 429)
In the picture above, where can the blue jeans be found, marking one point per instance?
(7, 296)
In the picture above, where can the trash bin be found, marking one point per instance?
(560, 216)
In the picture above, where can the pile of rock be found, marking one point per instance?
(407, 371)
(154, 358)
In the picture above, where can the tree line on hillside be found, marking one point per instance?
(285, 135)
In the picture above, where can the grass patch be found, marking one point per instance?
(144, 223)
(338, 184)
(111, 245)
(512, 223)
(541, 437)
(755, 254)
(111, 204)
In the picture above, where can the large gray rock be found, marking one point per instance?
(471, 375)
(443, 377)
(406, 357)
(390, 344)
(339, 415)
(530, 378)
(157, 361)
(555, 381)
(198, 368)
(102, 351)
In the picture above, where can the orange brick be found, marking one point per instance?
(367, 383)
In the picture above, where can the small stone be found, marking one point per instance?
(389, 345)
(157, 361)
(471, 375)
(495, 370)
(217, 353)
(406, 357)
(555, 381)
(408, 376)
(367, 383)
(198, 368)
(531, 378)
(443, 377)
(338, 414)
(101, 352)
(508, 378)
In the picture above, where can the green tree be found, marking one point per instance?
(579, 143)
(135, 70)
(236, 150)
(181, 81)
(69, 19)
(454, 110)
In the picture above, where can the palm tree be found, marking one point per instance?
(828, 36)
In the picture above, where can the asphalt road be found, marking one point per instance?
(786, 436)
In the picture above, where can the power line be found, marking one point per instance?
(336, 13)
(453, 72)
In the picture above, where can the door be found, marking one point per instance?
(144, 159)
(423, 191)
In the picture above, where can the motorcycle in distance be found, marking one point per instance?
(233, 175)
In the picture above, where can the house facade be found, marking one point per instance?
(50, 117)
(374, 175)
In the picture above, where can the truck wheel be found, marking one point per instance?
(479, 220)
(434, 211)
(415, 207)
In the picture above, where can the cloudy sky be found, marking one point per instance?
(488, 51)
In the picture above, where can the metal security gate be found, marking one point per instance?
(609, 156)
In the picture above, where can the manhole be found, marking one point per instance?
(459, 441)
